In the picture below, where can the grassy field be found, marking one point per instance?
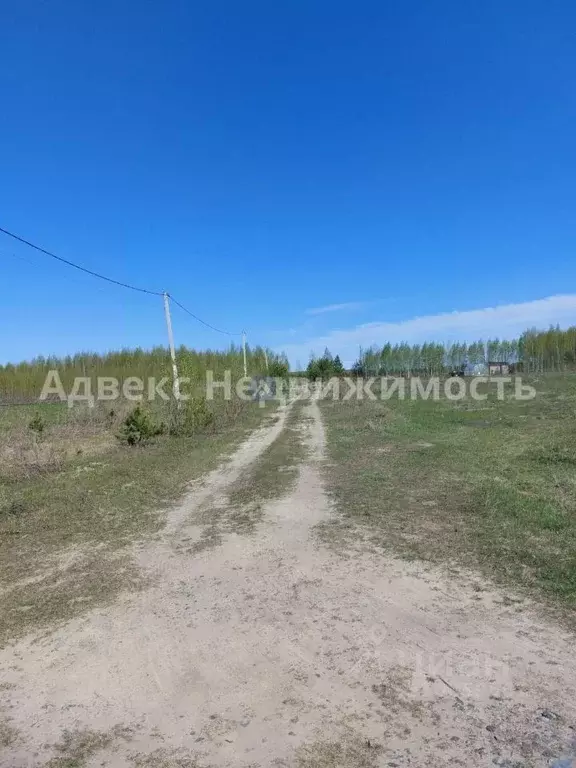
(490, 485)
(73, 498)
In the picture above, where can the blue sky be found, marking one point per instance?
(319, 173)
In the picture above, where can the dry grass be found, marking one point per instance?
(8, 734)
(77, 747)
(166, 758)
(485, 484)
(350, 752)
(64, 533)
(66, 434)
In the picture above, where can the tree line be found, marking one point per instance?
(25, 380)
(534, 351)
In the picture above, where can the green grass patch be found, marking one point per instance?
(487, 484)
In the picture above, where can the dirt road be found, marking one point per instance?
(275, 648)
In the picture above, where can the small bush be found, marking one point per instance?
(278, 369)
(37, 425)
(138, 427)
(194, 416)
(14, 509)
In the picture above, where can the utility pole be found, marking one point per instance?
(175, 379)
(266, 359)
(244, 353)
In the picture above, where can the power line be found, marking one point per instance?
(111, 280)
(199, 319)
(77, 266)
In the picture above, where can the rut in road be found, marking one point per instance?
(276, 649)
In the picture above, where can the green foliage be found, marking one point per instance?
(358, 368)
(534, 352)
(138, 427)
(37, 425)
(551, 350)
(324, 367)
(26, 379)
(278, 368)
(192, 417)
(14, 508)
(338, 367)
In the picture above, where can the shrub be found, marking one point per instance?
(138, 427)
(278, 369)
(37, 425)
(325, 367)
(194, 416)
(14, 509)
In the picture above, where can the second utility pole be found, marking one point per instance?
(175, 379)
(244, 353)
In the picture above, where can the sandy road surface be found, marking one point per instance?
(274, 649)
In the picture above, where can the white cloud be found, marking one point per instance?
(335, 308)
(505, 321)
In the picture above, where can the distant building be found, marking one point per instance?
(498, 369)
(475, 369)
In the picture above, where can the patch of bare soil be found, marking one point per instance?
(272, 649)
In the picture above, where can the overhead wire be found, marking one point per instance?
(199, 319)
(112, 280)
(77, 266)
